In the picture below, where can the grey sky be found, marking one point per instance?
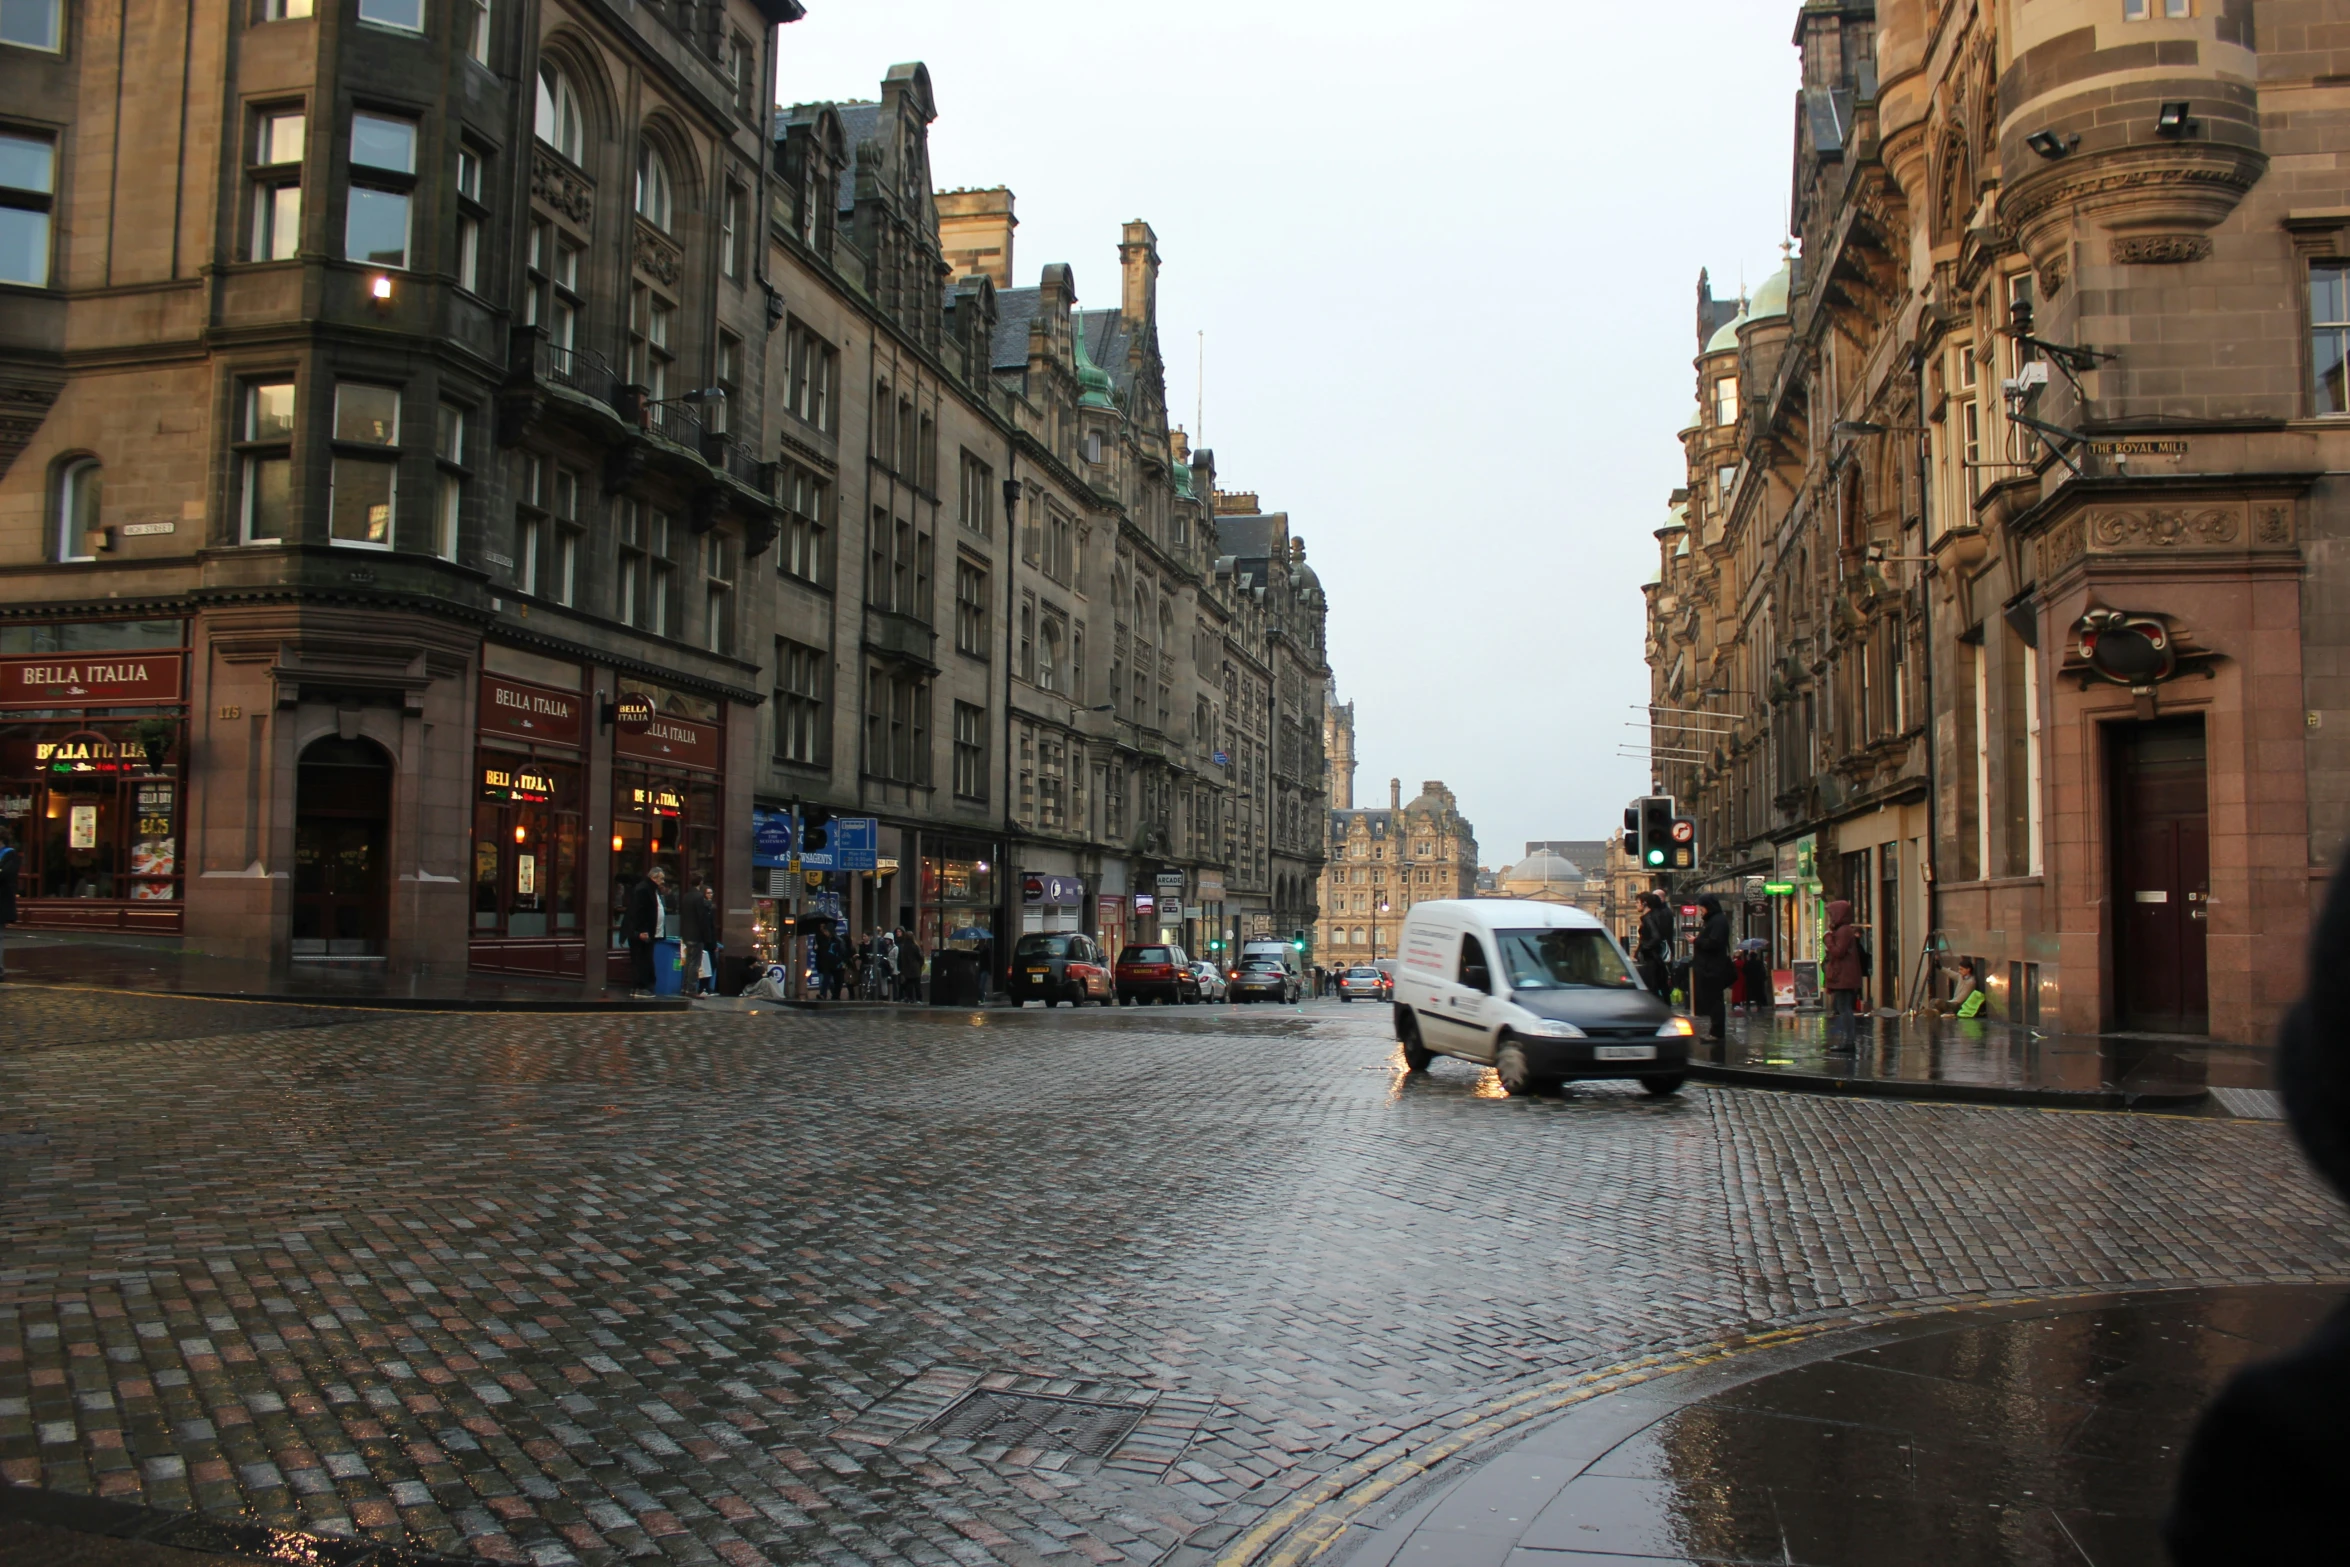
(1444, 255)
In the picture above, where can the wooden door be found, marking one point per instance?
(2160, 837)
(342, 829)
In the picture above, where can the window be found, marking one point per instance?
(2140, 10)
(718, 413)
(1060, 545)
(281, 10)
(1093, 446)
(1725, 480)
(77, 509)
(803, 692)
(559, 123)
(975, 496)
(1052, 781)
(1052, 640)
(718, 593)
(1726, 401)
(28, 187)
(553, 301)
(2329, 334)
(33, 24)
(742, 69)
(530, 526)
(897, 726)
(647, 569)
(970, 752)
(449, 504)
(971, 602)
(649, 354)
(470, 216)
(276, 176)
(897, 566)
(653, 199)
(811, 368)
(376, 229)
(730, 233)
(477, 30)
(406, 15)
(1024, 645)
(365, 488)
(561, 580)
(265, 462)
(804, 498)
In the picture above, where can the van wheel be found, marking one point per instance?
(1660, 1084)
(1509, 1064)
(1416, 1056)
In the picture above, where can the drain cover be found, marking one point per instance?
(1071, 1425)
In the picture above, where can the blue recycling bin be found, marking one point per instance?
(665, 971)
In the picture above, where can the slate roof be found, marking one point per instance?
(859, 122)
(1015, 309)
(1251, 538)
(1108, 341)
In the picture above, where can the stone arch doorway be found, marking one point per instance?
(342, 839)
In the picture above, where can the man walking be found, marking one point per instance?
(909, 966)
(698, 924)
(1710, 970)
(1843, 976)
(641, 925)
(9, 861)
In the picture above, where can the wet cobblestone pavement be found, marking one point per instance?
(724, 1287)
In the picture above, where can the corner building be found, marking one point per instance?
(2003, 596)
(378, 535)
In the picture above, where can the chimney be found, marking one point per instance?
(1179, 443)
(1237, 503)
(1395, 794)
(975, 232)
(1138, 262)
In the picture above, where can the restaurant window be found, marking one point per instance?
(265, 461)
(803, 699)
(527, 837)
(28, 189)
(970, 752)
(971, 601)
(366, 484)
(665, 819)
(276, 178)
(801, 550)
(383, 182)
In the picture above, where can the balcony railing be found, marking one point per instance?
(738, 462)
(580, 370)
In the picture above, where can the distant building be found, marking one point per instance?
(1383, 862)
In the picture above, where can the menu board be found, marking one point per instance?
(155, 844)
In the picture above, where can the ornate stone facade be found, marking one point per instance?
(1381, 862)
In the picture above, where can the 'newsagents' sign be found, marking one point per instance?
(850, 844)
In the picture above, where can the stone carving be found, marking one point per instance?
(2052, 274)
(2221, 184)
(568, 195)
(656, 257)
(2065, 543)
(2137, 250)
(2274, 525)
(2165, 528)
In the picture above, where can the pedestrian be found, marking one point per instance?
(1758, 979)
(909, 966)
(9, 862)
(1709, 969)
(2256, 1483)
(1843, 976)
(1655, 950)
(641, 925)
(698, 924)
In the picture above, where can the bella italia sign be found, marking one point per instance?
(97, 680)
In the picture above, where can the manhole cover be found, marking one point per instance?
(1071, 1425)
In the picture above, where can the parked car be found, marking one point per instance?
(1057, 968)
(1211, 979)
(1539, 992)
(1280, 952)
(1156, 972)
(1262, 977)
(1365, 982)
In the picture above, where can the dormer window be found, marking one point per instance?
(652, 187)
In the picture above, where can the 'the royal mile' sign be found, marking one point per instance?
(90, 680)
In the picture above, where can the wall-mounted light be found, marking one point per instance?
(616, 843)
(521, 833)
(2174, 121)
(379, 288)
(2051, 146)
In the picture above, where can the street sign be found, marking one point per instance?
(770, 838)
(852, 845)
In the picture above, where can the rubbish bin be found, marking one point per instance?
(954, 978)
(666, 973)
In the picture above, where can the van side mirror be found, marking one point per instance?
(1478, 978)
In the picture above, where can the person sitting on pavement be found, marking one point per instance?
(2256, 1483)
(1842, 976)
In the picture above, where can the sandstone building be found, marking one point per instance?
(1381, 862)
(2000, 597)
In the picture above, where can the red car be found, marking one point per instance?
(1155, 973)
(1054, 969)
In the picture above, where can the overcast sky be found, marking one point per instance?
(1445, 258)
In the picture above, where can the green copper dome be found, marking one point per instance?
(1771, 299)
(1093, 382)
(1726, 340)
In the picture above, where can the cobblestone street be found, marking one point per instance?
(709, 1286)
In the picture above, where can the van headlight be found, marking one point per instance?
(1551, 1028)
(1677, 1028)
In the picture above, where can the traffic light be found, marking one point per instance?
(1297, 939)
(1656, 832)
(1684, 833)
(812, 834)
(1632, 832)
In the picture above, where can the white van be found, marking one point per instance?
(1539, 992)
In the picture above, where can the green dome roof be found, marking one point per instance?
(1093, 382)
(1771, 298)
(1726, 340)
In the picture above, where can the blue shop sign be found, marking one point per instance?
(851, 843)
(1055, 891)
(770, 839)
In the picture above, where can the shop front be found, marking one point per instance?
(668, 796)
(528, 829)
(93, 737)
(1208, 929)
(1051, 902)
(957, 905)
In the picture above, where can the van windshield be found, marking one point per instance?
(1562, 960)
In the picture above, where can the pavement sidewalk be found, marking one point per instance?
(2036, 1432)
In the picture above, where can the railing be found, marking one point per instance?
(580, 370)
(738, 462)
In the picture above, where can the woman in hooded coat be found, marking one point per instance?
(2260, 1476)
(1711, 969)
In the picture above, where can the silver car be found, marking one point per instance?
(1211, 980)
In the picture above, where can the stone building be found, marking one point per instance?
(479, 493)
(1381, 862)
(1573, 872)
(2000, 594)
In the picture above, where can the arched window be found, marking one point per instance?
(652, 186)
(77, 509)
(559, 123)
